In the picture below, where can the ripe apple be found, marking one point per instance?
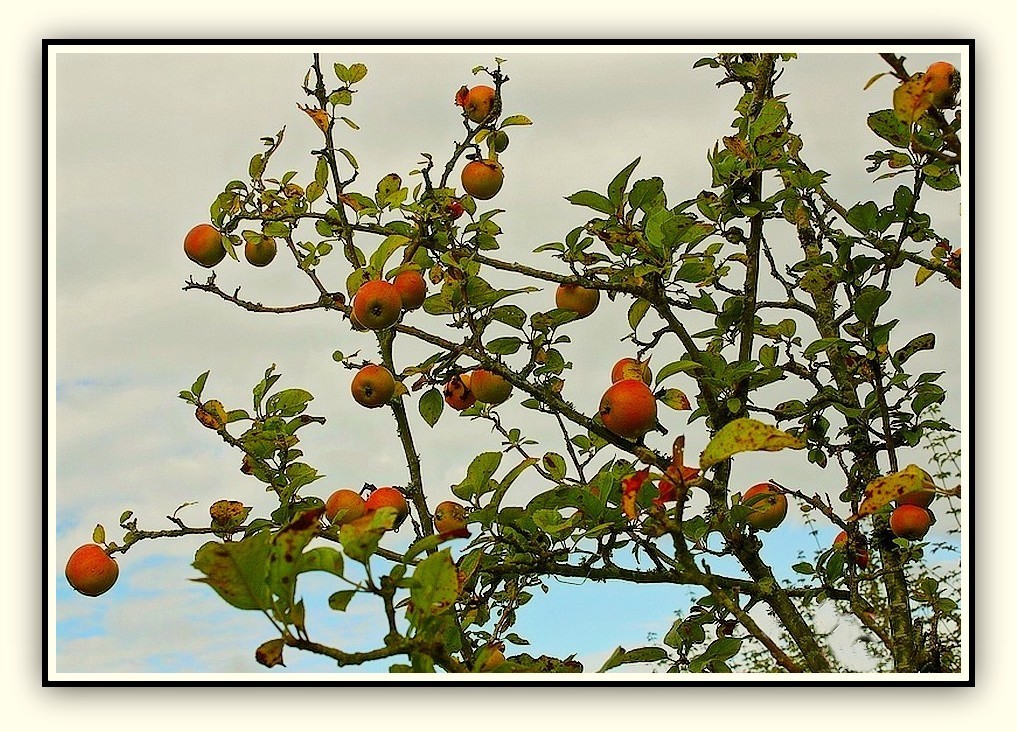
(391, 497)
(344, 506)
(941, 80)
(632, 368)
(458, 393)
(769, 506)
(859, 556)
(373, 385)
(628, 408)
(261, 251)
(203, 245)
(580, 300)
(455, 210)
(450, 519)
(90, 570)
(412, 288)
(489, 387)
(478, 102)
(482, 179)
(910, 522)
(377, 305)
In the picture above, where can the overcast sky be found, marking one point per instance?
(144, 138)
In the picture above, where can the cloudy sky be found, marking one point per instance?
(143, 138)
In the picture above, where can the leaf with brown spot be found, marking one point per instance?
(912, 99)
(270, 653)
(285, 551)
(890, 487)
(236, 571)
(746, 435)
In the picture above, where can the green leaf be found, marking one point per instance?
(720, 650)
(285, 550)
(340, 600)
(288, 402)
(868, 302)
(360, 538)
(555, 465)
(886, 124)
(349, 157)
(431, 405)
(923, 342)
(236, 570)
(426, 544)
(647, 194)
(356, 73)
(433, 588)
(591, 200)
(321, 559)
(647, 654)
(675, 367)
(863, 216)
(504, 346)
(478, 475)
(770, 117)
(511, 315)
(199, 384)
(616, 188)
(99, 534)
(636, 312)
(818, 346)
(386, 249)
(515, 119)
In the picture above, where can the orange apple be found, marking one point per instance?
(412, 288)
(450, 519)
(261, 251)
(580, 300)
(632, 368)
(489, 387)
(458, 393)
(769, 506)
(377, 305)
(478, 102)
(910, 522)
(858, 556)
(628, 408)
(344, 506)
(90, 570)
(391, 497)
(373, 386)
(942, 82)
(482, 179)
(203, 245)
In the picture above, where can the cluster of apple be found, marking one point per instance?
(910, 519)
(346, 506)
(464, 390)
(483, 178)
(203, 245)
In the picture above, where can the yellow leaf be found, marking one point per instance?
(890, 487)
(912, 99)
(922, 274)
(320, 117)
(743, 435)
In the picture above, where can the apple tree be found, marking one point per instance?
(767, 307)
